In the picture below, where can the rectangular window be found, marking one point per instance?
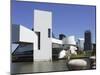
(49, 32)
(38, 33)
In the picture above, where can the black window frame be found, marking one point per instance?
(49, 32)
(39, 37)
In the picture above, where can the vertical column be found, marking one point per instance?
(43, 29)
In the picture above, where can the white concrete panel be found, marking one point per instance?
(26, 35)
(35, 38)
(57, 41)
(23, 34)
(43, 21)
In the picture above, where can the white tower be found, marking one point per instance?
(43, 29)
(81, 43)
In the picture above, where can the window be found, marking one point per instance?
(49, 32)
(38, 33)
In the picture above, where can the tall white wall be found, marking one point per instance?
(43, 21)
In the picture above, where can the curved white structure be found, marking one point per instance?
(62, 54)
(73, 50)
(77, 64)
(70, 40)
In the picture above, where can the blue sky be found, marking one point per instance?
(67, 18)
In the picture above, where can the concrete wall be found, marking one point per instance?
(43, 21)
(26, 35)
(57, 41)
(21, 34)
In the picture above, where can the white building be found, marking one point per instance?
(40, 40)
(81, 43)
(69, 40)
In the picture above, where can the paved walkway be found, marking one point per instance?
(40, 66)
(47, 66)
